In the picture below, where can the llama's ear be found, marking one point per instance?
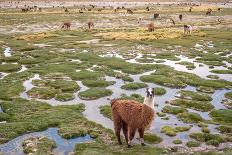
(147, 89)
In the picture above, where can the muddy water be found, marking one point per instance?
(63, 146)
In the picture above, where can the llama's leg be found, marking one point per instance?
(117, 128)
(131, 134)
(141, 135)
(125, 131)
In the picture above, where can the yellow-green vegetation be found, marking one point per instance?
(213, 76)
(97, 83)
(223, 116)
(134, 86)
(135, 97)
(204, 89)
(192, 104)
(177, 141)
(94, 93)
(127, 78)
(228, 95)
(225, 129)
(167, 76)
(42, 93)
(99, 149)
(193, 144)
(185, 94)
(159, 91)
(222, 71)
(188, 65)
(143, 34)
(29, 116)
(64, 97)
(38, 145)
(11, 86)
(9, 67)
(106, 111)
(152, 138)
(190, 117)
(210, 139)
(205, 130)
(36, 36)
(173, 110)
(173, 131)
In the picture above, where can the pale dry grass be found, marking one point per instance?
(36, 36)
(142, 34)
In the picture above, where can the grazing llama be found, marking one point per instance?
(66, 26)
(187, 29)
(209, 11)
(156, 15)
(130, 115)
(130, 11)
(180, 17)
(90, 25)
(151, 27)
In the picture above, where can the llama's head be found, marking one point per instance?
(150, 93)
(149, 99)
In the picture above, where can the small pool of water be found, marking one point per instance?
(64, 146)
(7, 52)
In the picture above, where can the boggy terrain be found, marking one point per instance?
(56, 84)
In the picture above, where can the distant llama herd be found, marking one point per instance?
(131, 116)
(150, 27)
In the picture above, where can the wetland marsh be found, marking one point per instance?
(56, 85)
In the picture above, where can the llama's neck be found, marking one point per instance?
(149, 102)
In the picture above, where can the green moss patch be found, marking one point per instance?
(152, 138)
(127, 78)
(223, 116)
(163, 80)
(185, 94)
(38, 145)
(97, 83)
(173, 131)
(221, 71)
(213, 76)
(134, 86)
(204, 89)
(177, 141)
(94, 93)
(190, 117)
(173, 110)
(42, 93)
(106, 111)
(210, 139)
(30, 116)
(189, 65)
(64, 97)
(135, 97)
(9, 67)
(193, 144)
(159, 91)
(196, 105)
(167, 76)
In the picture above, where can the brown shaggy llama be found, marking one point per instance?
(130, 11)
(130, 115)
(90, 25)
(66, 26)
(151, 27)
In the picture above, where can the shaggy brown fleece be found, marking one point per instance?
(151, 27)
(131, 115)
